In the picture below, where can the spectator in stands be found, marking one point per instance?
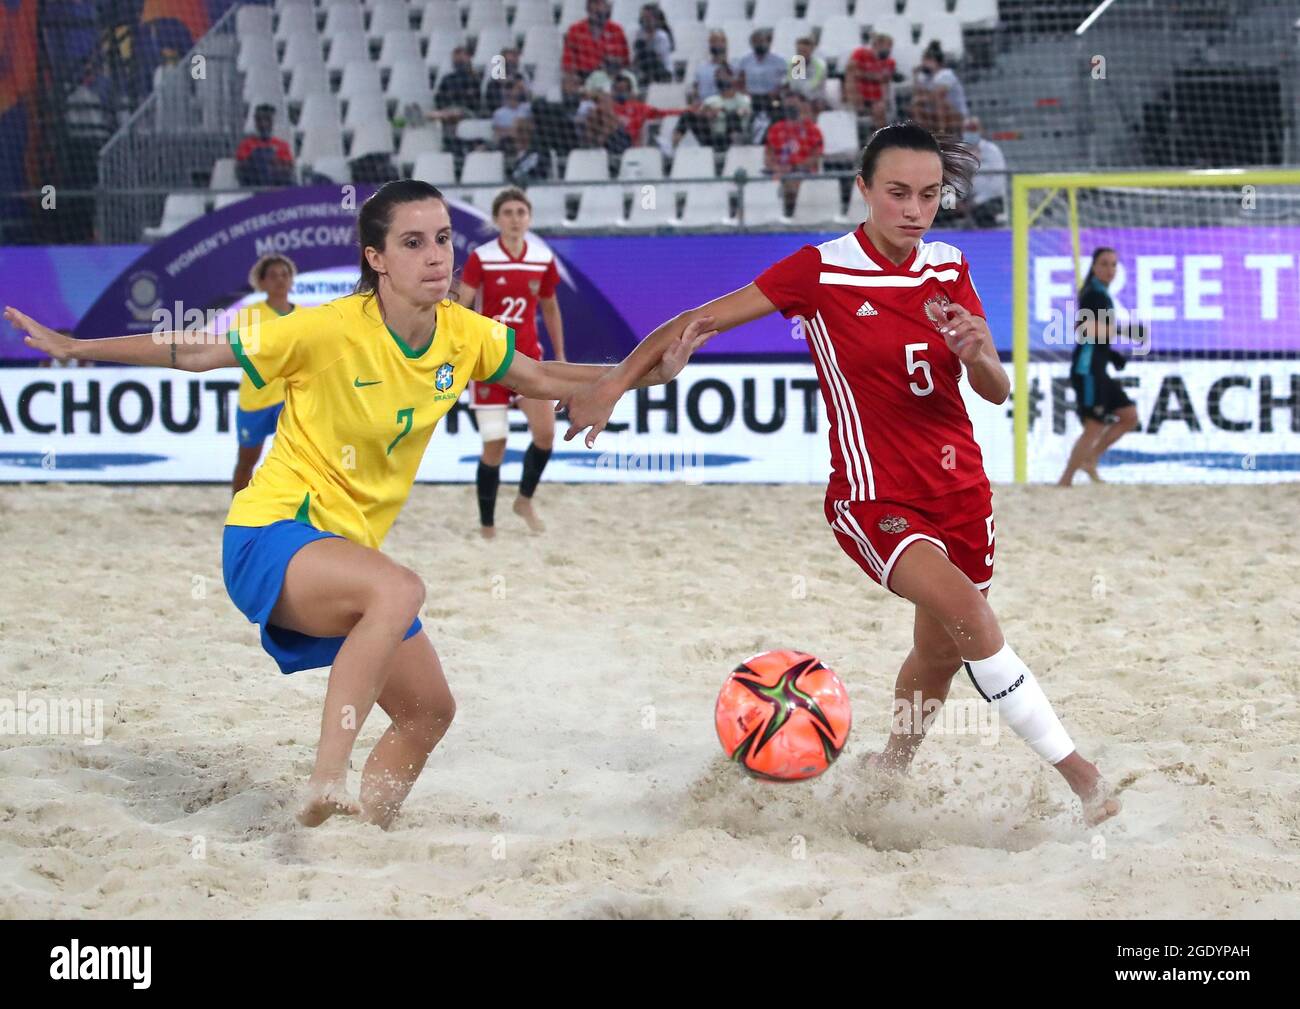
(262, 159)
(938, 99)
(588, 44)
(512, 123)
(794, 145)
(705, 83)
(501, 82)
(633, 114)
(869, 79)
(459, 91)
(763, 72)
(720, 120)
(808, 74)
(652, 49)
(988, 196)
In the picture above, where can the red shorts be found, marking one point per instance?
(484, 394)
(875, 533)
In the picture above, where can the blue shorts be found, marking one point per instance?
(253, 562)
(255, 426)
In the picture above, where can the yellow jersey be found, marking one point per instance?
(360, 405)
(250, 396)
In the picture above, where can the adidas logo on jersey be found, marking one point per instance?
(866, 309)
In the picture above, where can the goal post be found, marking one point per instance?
(1208, 291)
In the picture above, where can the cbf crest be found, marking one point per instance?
(443, 377)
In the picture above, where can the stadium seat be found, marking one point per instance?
(371, 136)
(343, 19)
(367, 108)
(319, 109)
(573, 11)
(492, 39)
(483, 168)
(946, 29)
(436, 168)
(295, 19)
(652, 207)
(738, 31)
(746, 156)
(691, 164)
(474, 129)
(708, 204)
(641, 163)
(769, 13)
(817, 202)
(388, 16)
(531, 13)
(360, 78)
(336, 169)
(761, 203)
(599, 207)
(440, 16)
(857, 212)
(255, 52)
(840, 36)
(542, 44)
(840, 133)
(400, 47)
(718, 12)
(821, 11)
(224, 200)
(307, 80)
(897, 26)
(303, 50)
(224, 174)
(438, 56)
(678, 13)
(587, 165)
(253, 20)
(417, 141)
(691, 46)
(485, 14)
(666, 95)
(977, 11)
(345, 49)
(321, 140)
(549, 206)
(264, 84)
(179, 209)
(410, 83)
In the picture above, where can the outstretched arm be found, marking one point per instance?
(187, 351)
(560, 380)
(591, 405)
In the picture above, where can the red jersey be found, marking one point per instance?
(634, 113)
(511, 286)
(794, 143)
(899, 430)
(583, 52)
(869, 66)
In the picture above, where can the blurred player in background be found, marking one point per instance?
(514, 281)
(1106, 412)
(259, 409)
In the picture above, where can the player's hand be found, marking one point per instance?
(678, 353)
(41, 337)
(967, 335)
(590, 406)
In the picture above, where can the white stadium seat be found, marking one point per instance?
(410, 83)
(708, 204)
(320, 109)
(360, 78)
(320, 141)
(530, 13)
(335, 168)
(549, 206)
(303, 50)
(817, 202)
(436, 168)
(440, 16)
(653, 207)
(587, 165)
(641, 163)
(761, 203)
(718, 12)
(599, 207)
(483, 168)
(398, 48)
(388, 16)
(345, 49)
(367, 108)
(767, 13)
(309, 79)
(371, 136)
(252, 20)
(746, 156)
(840, 36)
(179, 209)
(419, 141)
(224, 174)
(485, 14)
(295, 19)
(839, 133)
(224, 200)
(821, 11)
(344, 18)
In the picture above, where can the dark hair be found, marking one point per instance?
(1097, 253)
(512, 194)
(960, 162)
(935, 51)
(258, 273)
(377, 216)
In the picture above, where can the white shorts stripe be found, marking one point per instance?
(852, 519)
(865, 548)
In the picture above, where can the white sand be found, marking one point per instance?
(551, 797)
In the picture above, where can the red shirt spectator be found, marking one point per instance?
(588, 43)
(278, 148)
(633, 113)
(871, 72)
(793, 144)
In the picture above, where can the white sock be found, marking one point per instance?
(1005, 681)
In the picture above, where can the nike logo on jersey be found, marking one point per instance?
(361, 385)
(866, 309)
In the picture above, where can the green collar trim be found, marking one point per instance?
(406, 348)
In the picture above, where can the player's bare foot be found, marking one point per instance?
(1087, 783)
(487, 532)
(1093, 475)
(524, 509)
(1066, 481)
(323, 801)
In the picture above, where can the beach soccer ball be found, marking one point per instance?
(783, 716)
